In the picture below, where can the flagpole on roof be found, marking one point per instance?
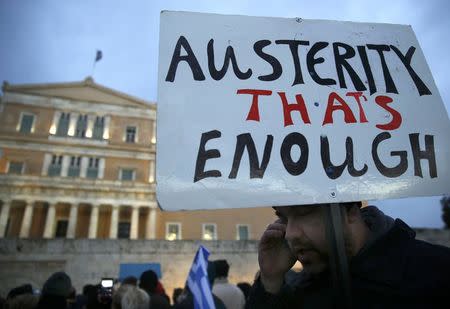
(98, 57)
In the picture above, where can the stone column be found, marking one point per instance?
(151, 171)
(55, 121)
(93, 222)
(50, 221)
(46, 164)
(134, 222)
(106, 127)
(72, 124)
(150, 229)
(73, 216)
(90, 125)
(101, 168)
(65, 166)
(84, 166)
(114, 222)
(26, 220)
(4, 218)
(153, 140)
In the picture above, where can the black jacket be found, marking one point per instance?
(396, 271)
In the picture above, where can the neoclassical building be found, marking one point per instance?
(77, 160)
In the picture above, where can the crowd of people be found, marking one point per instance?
(144, 292)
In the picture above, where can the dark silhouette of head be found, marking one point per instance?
(20, 290)
(132, 280)
(148, 281)
(176, 293)
(245, 288)
(222, 268)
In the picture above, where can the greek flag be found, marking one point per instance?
(198, 280)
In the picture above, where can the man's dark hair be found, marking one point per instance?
(148, 281)
(132, 280)
(20, 290)
(245, 288)
(222, 268)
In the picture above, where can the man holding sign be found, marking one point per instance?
(388, 267)
(256, 111)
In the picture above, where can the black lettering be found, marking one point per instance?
(245, 141)
(204, 155)
(189, 58)
(277, 70)
(229, 56)
(293, 46)
(365, 62)
(390, 172)
(341, 62)
(294, 168)
(311, 62)
(406, 60)
(390, 86)
(427, 154)
(334, 171)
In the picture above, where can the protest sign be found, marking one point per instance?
(257, 111)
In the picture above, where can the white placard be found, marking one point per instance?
(256, 111)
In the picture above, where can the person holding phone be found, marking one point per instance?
(388, 267)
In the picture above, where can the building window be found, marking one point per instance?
(81, 126)
(61, 228)
(26, 123)
(242, 232)
(127, 174)
(74, 167)
(55, 166)
(173, 231)
(124, 230)
(15, 168)
(92, 171)
(130, 135)
(99, 125)
(209, 231)
(63, 124)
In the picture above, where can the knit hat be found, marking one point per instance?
(58, 284)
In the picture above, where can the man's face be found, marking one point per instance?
(306, 236)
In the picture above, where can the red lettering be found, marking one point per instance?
(357, 95)
(253, 113)
(298, 106)
(396, 121)
(348, 114)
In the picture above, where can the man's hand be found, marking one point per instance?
(274, 257)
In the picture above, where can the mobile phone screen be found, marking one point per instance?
(107, 283)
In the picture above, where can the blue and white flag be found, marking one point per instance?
(198, 280)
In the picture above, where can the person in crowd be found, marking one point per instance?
(230, 294)
(20, 290)
(22, 301)
(245, 288)
(176, 294)
(148, 282)
(388, 267)
(186, 299)
(55, 291)
(96, 299)
(118, 295)
(135, 298)
(130, 280)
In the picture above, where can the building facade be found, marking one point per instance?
(77, 160)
